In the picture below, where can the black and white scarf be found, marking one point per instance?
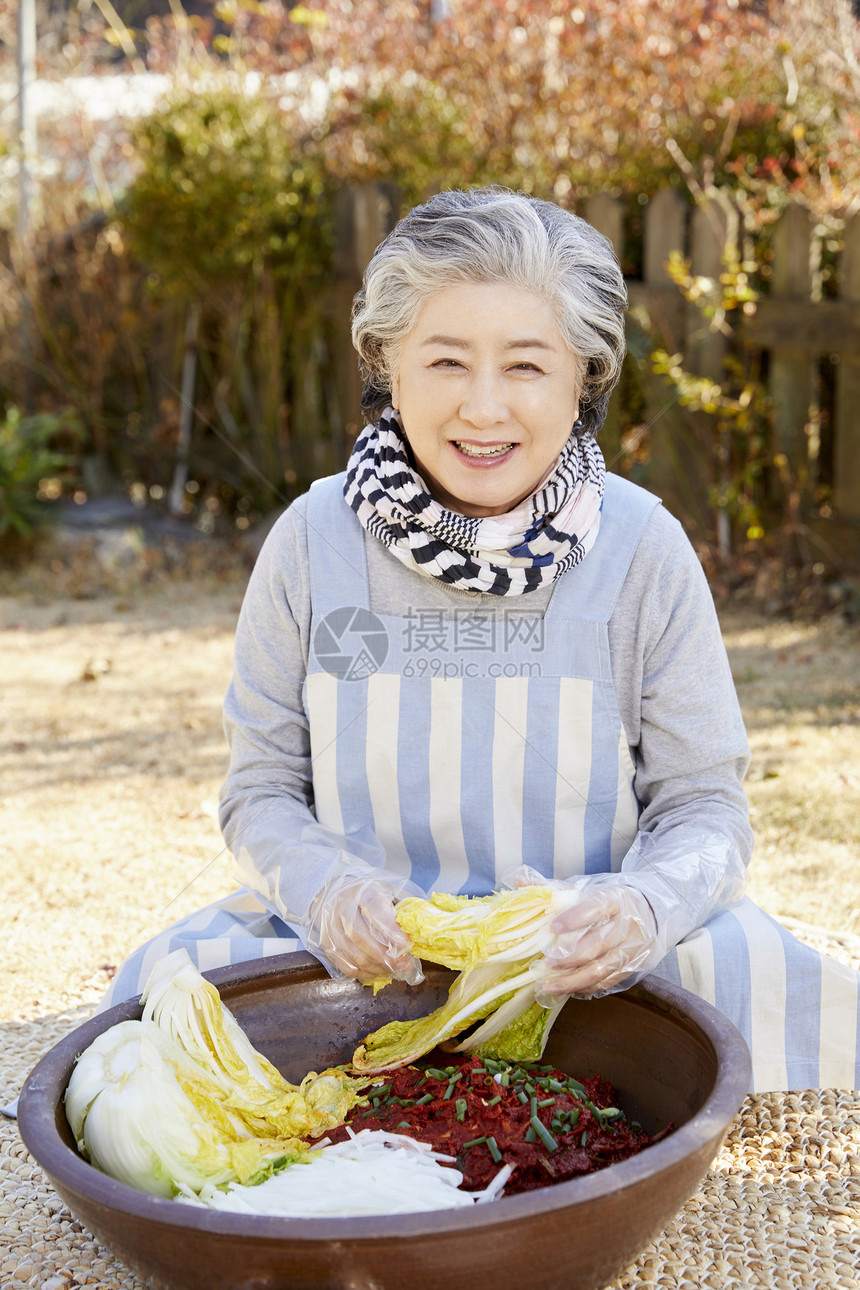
(503, 555)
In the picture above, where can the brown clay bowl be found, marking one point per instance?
(672, 1058)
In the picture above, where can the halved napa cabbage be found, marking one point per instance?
(182, 1098)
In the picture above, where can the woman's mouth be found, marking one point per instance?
(478, 450)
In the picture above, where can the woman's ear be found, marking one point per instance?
(395, 393)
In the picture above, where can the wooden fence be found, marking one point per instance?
(800, 332)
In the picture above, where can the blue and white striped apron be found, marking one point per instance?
(475, 740)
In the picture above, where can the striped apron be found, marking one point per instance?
(474, 740)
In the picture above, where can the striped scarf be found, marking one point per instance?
(503, 555)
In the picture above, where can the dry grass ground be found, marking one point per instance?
(111, 756)
(799, 687)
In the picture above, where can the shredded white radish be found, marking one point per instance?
(372, 1173)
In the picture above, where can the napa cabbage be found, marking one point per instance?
(496, 944)
(146, 1114)
(181, 1098)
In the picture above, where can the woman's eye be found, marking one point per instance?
(447, 362)
(527, 367)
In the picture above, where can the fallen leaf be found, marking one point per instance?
(95, 668)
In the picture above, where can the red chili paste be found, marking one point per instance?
(488, 1113)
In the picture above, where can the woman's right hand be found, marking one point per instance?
(353, 929)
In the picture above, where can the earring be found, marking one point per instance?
(578, 425)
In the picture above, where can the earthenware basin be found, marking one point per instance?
(673, 1059)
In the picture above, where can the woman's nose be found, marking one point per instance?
(484, 404)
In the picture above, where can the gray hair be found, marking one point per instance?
(494, 235)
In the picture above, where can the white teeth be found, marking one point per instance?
(474, 450)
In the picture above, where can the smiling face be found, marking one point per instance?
(488, 392)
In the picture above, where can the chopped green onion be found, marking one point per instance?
(494, 1101)
(460, 1108)
(404, 1124)
(531, 1136)
(544, 1134)
(548, 1101)
(422, 1101)
(450, 1089)
(582, 1139)
(476, 1142)
(524, 1097)
(533, 1111)
(493, 1148)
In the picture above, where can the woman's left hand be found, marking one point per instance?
(605, 937)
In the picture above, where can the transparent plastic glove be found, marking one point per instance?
(353, 931)
(603, 941)
(600, 943)
(687, 875)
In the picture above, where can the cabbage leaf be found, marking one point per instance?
(496, 944)
(460, 931)
(189, 1009)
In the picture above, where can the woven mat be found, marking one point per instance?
(779, 1209)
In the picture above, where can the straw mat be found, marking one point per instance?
(779, 1209)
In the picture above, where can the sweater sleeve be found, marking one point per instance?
(686, 737)
(266, 809)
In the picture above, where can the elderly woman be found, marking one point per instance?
(476, 655)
